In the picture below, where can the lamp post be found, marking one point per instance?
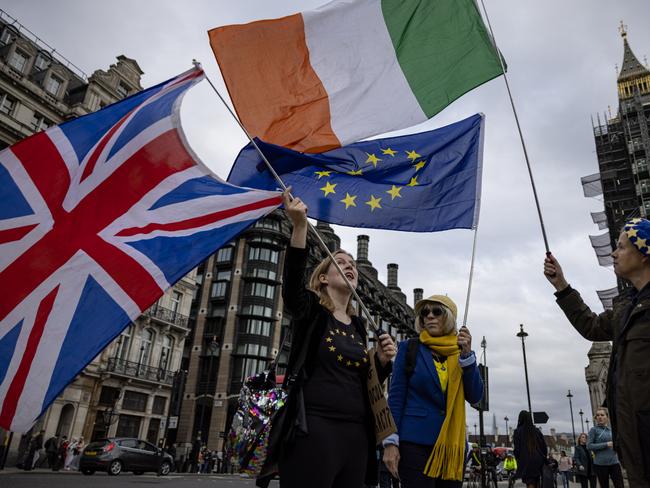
(573, 429)
(474, 430)
(507, 431)
(582, 424)
(587, 422)
(523, 336)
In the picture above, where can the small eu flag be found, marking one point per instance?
(423, 182)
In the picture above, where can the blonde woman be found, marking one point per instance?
(428, 390)
(327, 439)
(600, 443)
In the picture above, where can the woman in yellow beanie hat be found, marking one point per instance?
(427, 398)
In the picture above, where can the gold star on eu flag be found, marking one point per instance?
(329, 188)
(388, 152)
(332, 348)
(394, 192)
(349, 200)
(323, 173)
(355, 173)
(374, 203)
(372, 159)
(339, 357)
(419, 165)
(413, 182)
(412, 155)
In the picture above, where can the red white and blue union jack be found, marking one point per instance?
(98, 217)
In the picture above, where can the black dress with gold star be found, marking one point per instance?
(335, 388)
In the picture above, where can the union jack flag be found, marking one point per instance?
(98, 217)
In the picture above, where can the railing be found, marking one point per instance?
(167, 315)
(136, 370)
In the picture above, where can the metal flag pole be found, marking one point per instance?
(521, 136)
(371, 320)
(471, 277)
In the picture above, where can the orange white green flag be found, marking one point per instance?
(352, 69)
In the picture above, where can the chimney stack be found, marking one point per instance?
(362, 248)
(417, 295)
(392, 275)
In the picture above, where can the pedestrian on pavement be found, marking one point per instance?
(549, 472)
(194, 455)
(69, 453)
(564, 467)
(52, 452)
(171, 450)
(584, 463)
(606, 462)
(433, 376)
(530, 450)
(328, 436)
(63, 451)
(33, 451)
(219, 461)
(627, 325)
(76, 453)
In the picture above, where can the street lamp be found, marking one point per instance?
(587, 422)
(573, 429)
(474, 430)
(507, 431)
(582, 424)
(523, 336)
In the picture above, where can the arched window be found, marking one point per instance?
(146, 341)
(166, 352)
(124, 343)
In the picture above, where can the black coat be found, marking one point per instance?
(308, 325)
(529, 463)
(582, 458)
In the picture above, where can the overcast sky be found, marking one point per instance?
(561, 57)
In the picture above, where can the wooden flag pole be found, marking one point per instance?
(377, 330)
(521, 136)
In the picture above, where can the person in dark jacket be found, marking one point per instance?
(530, 450)
(52, 452)
(35, 445)
(328, 437)
(627, 325)
(429, 405)
(584, 463)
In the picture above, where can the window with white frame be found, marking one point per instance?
(257, 310)
(146, 341)
(263, 254)
(165, 352)
(219, 289)
(18, 60)
(123, 343)
(262, 273)
(256, 327)
(224, 255)
(42, 62)
(7, 36)
(53, 85)
(176, 299)
(257, 289)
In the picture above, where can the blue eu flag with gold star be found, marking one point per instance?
(423, 182)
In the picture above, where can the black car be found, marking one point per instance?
(118, 454)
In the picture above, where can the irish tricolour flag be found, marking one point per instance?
(352, 69)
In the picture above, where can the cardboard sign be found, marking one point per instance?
(384, 423)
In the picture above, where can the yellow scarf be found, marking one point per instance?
(446, 459)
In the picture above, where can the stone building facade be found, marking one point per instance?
(127, 389)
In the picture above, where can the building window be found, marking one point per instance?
(257, 310)
(252, 350)
(256, 327)
(7, 36)
(152, 432)
(263, 254)
(134, 400)
(42, 62)
(262, 273)
(263, 290)
(18, 60)
(176, 300)
(166, 351)
(7, 104)
(128, 426)
(39, 122)
(53, 85)
(122, 90)
(109, 395)
(159, 404)
(271, 224)
(123, 343)
(224, 255)
(146, 340)
(219, 289)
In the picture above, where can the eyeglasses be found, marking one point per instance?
(436, 311)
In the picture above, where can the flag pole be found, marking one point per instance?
(521, 136)
(377, 330)
(471, 277)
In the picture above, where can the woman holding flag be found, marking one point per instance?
(328, 436)
(433, 376)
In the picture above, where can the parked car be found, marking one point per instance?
(117, 454)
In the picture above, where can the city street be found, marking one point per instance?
(13, 478)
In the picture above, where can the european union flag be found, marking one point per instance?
(423, 182)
